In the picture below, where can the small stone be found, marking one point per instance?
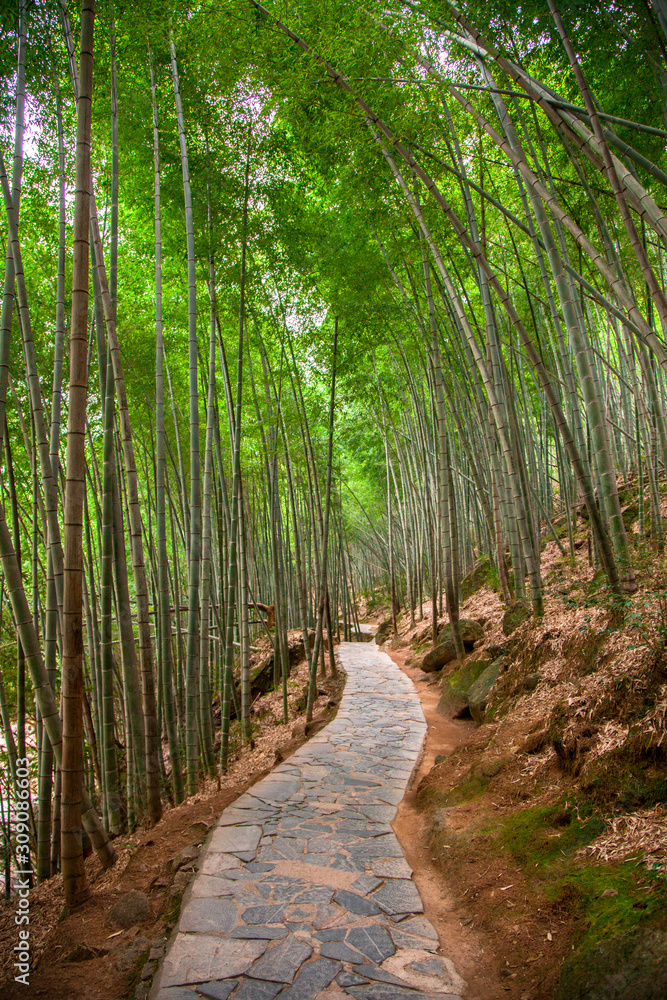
(186, 856)
(181, 881)
(609, 892)
(128, 960)
(530, 682)
(148, 971)
(440, 758)
(132, 908)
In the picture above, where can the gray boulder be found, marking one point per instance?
(470, 630)
(132, 908)
(480, 692)
(437, 658)
(454, 698)
(383, 632)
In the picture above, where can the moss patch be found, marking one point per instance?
(621, 950)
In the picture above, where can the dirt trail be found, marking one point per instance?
(470, 950)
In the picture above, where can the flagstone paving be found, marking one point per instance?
(304, 892)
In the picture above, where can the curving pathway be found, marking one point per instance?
(303, 892)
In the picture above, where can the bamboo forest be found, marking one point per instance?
(333, 499)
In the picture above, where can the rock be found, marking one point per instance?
(530, 682)
(470, 630)
(181, 881)
(440, 758)
(397, 643)
(516, 615)
(129, 959)
(436, 658)
(383, 632)
(185, 857)
(454, 699)
(148, 970)
(495, 650)
(480, 692)
(130, 909)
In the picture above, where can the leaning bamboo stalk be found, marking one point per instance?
(75, 884)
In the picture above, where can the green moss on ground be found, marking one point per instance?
(621, 951)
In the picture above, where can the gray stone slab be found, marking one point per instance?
(318, 894)
(232, 839)
(313, 977)
(372, 971)
(259, 933)
(331, 934)
(385, 846)
(365, 883)
(272, 913)
(373, 941)
(289, 847)
(394, 868)
(177, 993)
(385, 991)
(281, 963)
(208, 916)
(419, 926)
(399, 895)
(257, 989)
(341, 952)
(409, 941)
(218, 990)
(350, 979)
(355, 904)
(200, 958)
(233, 816)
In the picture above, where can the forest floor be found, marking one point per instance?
(539, 838)
(81, 956)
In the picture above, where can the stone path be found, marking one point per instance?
(304, 892)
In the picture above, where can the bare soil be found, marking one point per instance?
(484, 908)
